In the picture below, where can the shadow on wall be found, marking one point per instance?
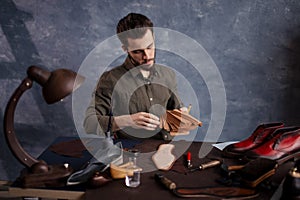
(292, 96)
(34, 137)
(13, 26)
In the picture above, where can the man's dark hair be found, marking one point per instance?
(133, 26)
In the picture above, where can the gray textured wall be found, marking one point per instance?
(255, 44)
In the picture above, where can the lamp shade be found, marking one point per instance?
(56, 84)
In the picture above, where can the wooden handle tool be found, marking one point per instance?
(206, 165)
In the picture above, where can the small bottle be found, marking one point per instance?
(133, 180)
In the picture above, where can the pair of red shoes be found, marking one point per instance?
(271, 140)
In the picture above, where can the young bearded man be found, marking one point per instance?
(130, 98)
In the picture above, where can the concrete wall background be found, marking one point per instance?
(255, 45)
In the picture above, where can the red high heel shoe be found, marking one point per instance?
(260, 134)
(285, 145)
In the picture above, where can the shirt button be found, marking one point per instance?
(151, 99)
(148, 82)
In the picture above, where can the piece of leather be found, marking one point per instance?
(72, 148)
(251, 174)
(178, 122)
(99, 179)
(217, 192)
(256, 171)
(163, 158)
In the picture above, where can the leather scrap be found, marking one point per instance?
(251, 174)
(216, 192)
(256, 171)
(163, 158)
(73, 148)
(178, 122)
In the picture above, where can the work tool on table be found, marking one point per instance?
(206, 192)
(206, 165)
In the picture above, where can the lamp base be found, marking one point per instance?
(54, 176)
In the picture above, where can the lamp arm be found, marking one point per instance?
(9, 130)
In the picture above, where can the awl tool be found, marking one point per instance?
(206, 165)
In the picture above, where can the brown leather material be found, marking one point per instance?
(217, 192)
(252, 173)
(178, 122)
(99, 179)
(72, 148)
(256, 171)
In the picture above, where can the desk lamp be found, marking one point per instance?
(55, 86)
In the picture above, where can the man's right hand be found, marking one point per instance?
(140, 120)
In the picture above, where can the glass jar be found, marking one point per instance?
(133, 179)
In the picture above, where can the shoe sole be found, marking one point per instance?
(294, 155)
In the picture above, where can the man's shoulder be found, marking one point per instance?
(115, 71)
(163, 69)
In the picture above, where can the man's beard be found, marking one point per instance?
(143, 65)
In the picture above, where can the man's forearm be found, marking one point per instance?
(120, 122)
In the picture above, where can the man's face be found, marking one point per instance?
(142, 50)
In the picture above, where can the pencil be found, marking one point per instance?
(189, 108)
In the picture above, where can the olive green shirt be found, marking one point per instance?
(123, 90)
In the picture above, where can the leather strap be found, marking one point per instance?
(216, 192)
